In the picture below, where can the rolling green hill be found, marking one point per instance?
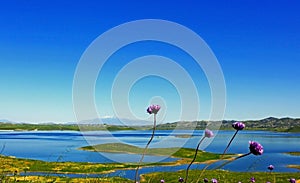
(270, 124)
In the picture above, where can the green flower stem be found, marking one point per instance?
(227, 162)
(222, 154)
(229, 143)
(145, 150)
(187, 170)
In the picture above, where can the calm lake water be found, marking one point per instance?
(63, 146)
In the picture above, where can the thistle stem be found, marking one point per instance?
(187, 170)
(2, 149)
(203, 170)
(227, 162)
(145, 149)
(222, 154)
(229, 143)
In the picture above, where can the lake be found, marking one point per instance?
(63, 146)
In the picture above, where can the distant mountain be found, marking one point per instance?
(115, 122)
(98, 121)
(14, 122)
(8, 121)
(5, 121)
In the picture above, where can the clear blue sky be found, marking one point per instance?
(256, 43)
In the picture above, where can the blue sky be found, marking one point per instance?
(256, 43)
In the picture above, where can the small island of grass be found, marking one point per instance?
(185, 154)
(295, 153)
(294, 166)
(184, 136)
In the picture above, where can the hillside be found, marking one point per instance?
(271, 124)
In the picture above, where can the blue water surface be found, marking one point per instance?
(61, 146)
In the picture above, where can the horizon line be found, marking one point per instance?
(105, 117)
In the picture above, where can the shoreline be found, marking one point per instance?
(178, 135)
(121, 166)
(92, 174)
(117, 166)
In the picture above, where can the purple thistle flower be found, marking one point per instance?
(205, 180)
(270, 167)
(153, 109)
(180, 179)
(256, 148)
(214, 180)
(292, 180)
(162, 181)
(238, 125)
(208, 133)
(252, 179)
